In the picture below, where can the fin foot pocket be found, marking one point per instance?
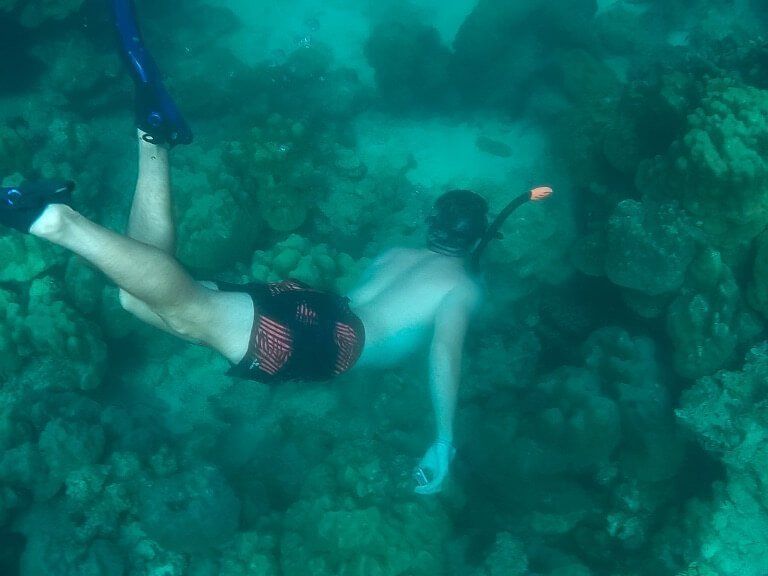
(21, 205)
(156, 112)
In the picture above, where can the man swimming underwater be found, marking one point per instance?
(287, 330)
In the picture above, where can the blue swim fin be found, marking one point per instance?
(21, 205)
(156, 112)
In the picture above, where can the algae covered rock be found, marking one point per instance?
(47, 548)
(498, 47)
(52, 327)
(410, 62)
(578, 418)
(727, 414)
(757, 291)
(648, 248)
(507, 558)
(25, 257)
(191, 510)
(68, 447)
(708, 319)
(319, 266)
(42, 327)
(33, 13)
(629, 369)
(185, 385)
(10, 361)
(16, 149)
(534, 251)
(374, 212)
(218, 222)
(718, 169)
(250, 553)
(276, 163)
(355, 518)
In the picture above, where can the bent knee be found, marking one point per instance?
(139, 309)
(128, 302)
(188, 320)
(221, 320)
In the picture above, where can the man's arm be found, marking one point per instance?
(445, 356)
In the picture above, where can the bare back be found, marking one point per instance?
(399, 298)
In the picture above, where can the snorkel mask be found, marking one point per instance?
(458, 223)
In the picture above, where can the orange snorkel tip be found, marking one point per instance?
(541, 193)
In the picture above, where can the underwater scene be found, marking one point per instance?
(286, 357)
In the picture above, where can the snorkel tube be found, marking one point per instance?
(535, 195)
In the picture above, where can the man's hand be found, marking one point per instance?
(434, 466)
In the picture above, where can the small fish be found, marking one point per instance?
(493, 147)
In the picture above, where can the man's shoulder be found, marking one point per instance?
(397, 251)
(472, 288)
(467, 292)
(397, 257)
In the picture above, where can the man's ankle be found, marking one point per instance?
(149, 150)
(50, 224)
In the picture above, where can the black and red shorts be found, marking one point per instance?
(298, 333)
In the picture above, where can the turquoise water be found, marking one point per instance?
(612, 416)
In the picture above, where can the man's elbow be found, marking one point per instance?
(444, 352)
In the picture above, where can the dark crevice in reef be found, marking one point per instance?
(11, 548)
(18, 70)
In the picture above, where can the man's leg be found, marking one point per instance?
(151, 219)
(222, 320)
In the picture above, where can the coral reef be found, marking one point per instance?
(757, 291)
(411, 64)
(44, 325)
(189, 511)
(36, 12)
(370, 215)
(534, 249)
(641, 238)
(497, 49)
(506, 558)
(619, 395)
(726, 412)
(708, 319)
(276, 164)
(606, 425)
(25, 258)
(363, 536)
(218, 220)
(320, 266)
(716, 168)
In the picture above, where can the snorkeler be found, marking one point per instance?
(280, 331)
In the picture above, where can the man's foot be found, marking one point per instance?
(156, 113)
(21, 205)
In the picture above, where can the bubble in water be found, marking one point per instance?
(312, 24)
(304, 41)
(276, 57)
